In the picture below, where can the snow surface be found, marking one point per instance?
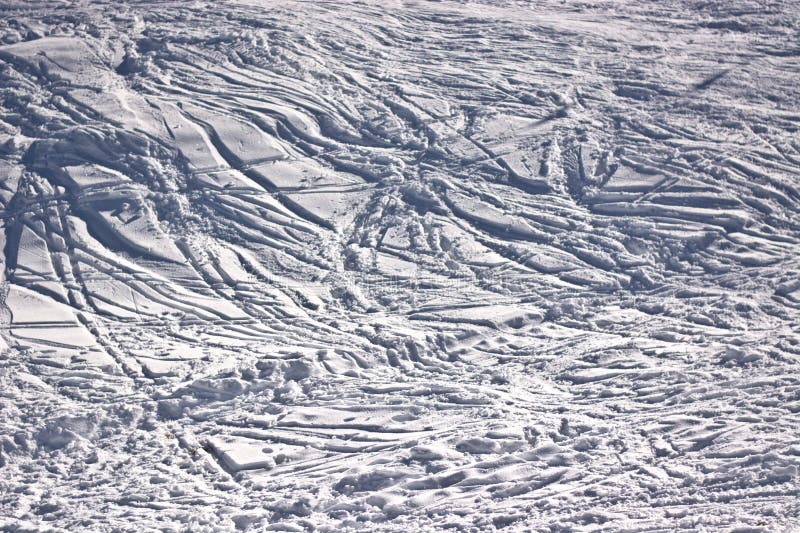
(400, 266)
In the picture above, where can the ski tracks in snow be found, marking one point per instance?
(294, 266)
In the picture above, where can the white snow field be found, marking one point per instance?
(400, 266)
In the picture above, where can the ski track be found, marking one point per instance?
(396, 266)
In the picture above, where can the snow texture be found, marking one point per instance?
(399, 266)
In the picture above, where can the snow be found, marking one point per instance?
(399, 266)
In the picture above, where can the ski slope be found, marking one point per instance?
(399, 266)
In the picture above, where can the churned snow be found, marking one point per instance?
(399, 266)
